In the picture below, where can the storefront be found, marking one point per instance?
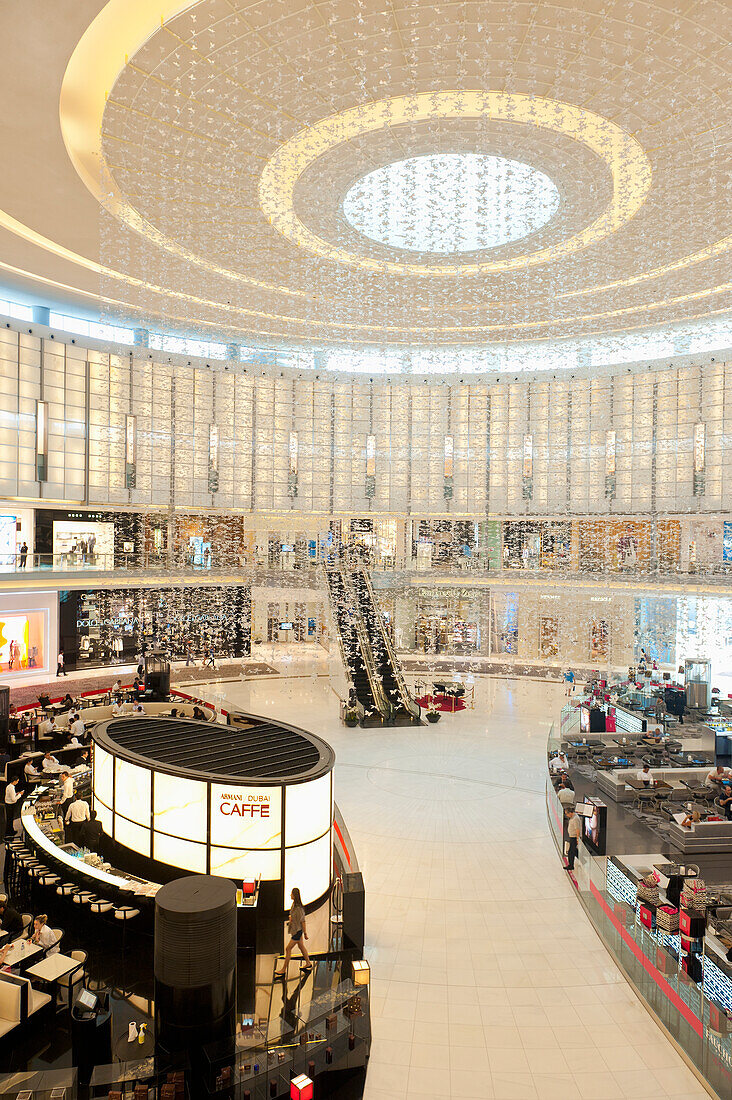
(443, 543)
(28, 632)
(376, 538)
(450, 622)
(285, 616)
(102, 627)
(536, 545)
(16, 530)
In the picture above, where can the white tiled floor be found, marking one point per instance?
(488, 981)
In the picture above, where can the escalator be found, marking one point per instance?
(404, 710)
(364, 684)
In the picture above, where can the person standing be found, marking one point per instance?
(569, 682)
(574, 830)
(23, 554)
(298, 932)
(67, 793)
(60, 670)
(76, 814)
(12, 804)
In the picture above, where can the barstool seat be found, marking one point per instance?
(49, 880)
(84, 897)
(66, 889)
(126, 912)
(101, 906)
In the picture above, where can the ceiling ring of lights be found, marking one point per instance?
(121, 28)
(623, 155)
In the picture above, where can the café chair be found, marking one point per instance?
(69, 981)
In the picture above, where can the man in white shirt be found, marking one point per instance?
(117, 710)
(645, 775)
(565, 794)
(50, 763)
(138, 709)
(574, 831)
(30, 772)
(559, 763)
(716, 778)
(44, 727)
(77, 813)
(67, 792)
(73, 743)
(77, 726)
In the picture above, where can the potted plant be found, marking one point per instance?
(351, 717)
(433, 714)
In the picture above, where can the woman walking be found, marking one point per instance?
(298, 933)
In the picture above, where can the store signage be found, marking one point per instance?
(246, 817)
(234, 805)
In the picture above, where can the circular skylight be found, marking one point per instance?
(451, 202)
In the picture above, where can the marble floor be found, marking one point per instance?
(488, 981)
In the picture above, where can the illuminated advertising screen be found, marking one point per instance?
(21, 640)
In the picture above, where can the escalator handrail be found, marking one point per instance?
(408, 702)
(335, 608)
(377, 688)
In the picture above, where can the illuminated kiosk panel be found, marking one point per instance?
(224, 800)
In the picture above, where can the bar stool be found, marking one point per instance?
(125, 913)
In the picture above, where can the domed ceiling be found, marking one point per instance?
(390, 174)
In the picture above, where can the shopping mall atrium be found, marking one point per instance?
(366, 550)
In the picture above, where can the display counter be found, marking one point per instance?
(676, 961)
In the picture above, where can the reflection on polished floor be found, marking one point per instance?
(488, 981)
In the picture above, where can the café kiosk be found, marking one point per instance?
(254, 804)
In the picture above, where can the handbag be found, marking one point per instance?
(667, 918)
(694, 894)
(647, 890)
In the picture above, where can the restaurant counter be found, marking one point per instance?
(42, 832)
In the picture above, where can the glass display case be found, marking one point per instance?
(698, 678)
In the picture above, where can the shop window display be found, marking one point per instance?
(100, 627)
(22, 636)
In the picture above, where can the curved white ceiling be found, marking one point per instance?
(212, 195)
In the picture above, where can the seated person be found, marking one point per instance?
(198, 714)
(117, 710)
(645, 776)
(30, 773)
(76, 725)
(10, 919)
(68, 702)
(565, 793)
(725, 800)
(559, 763)
(43, 935)
(138, 708)
(693, 818)
(83, 760)
(50, 763)
(716, 777)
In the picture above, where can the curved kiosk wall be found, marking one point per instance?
(251, 803)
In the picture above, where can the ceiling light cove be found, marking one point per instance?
(628, 164)
(451, 202)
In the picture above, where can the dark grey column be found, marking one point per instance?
(195, 964)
